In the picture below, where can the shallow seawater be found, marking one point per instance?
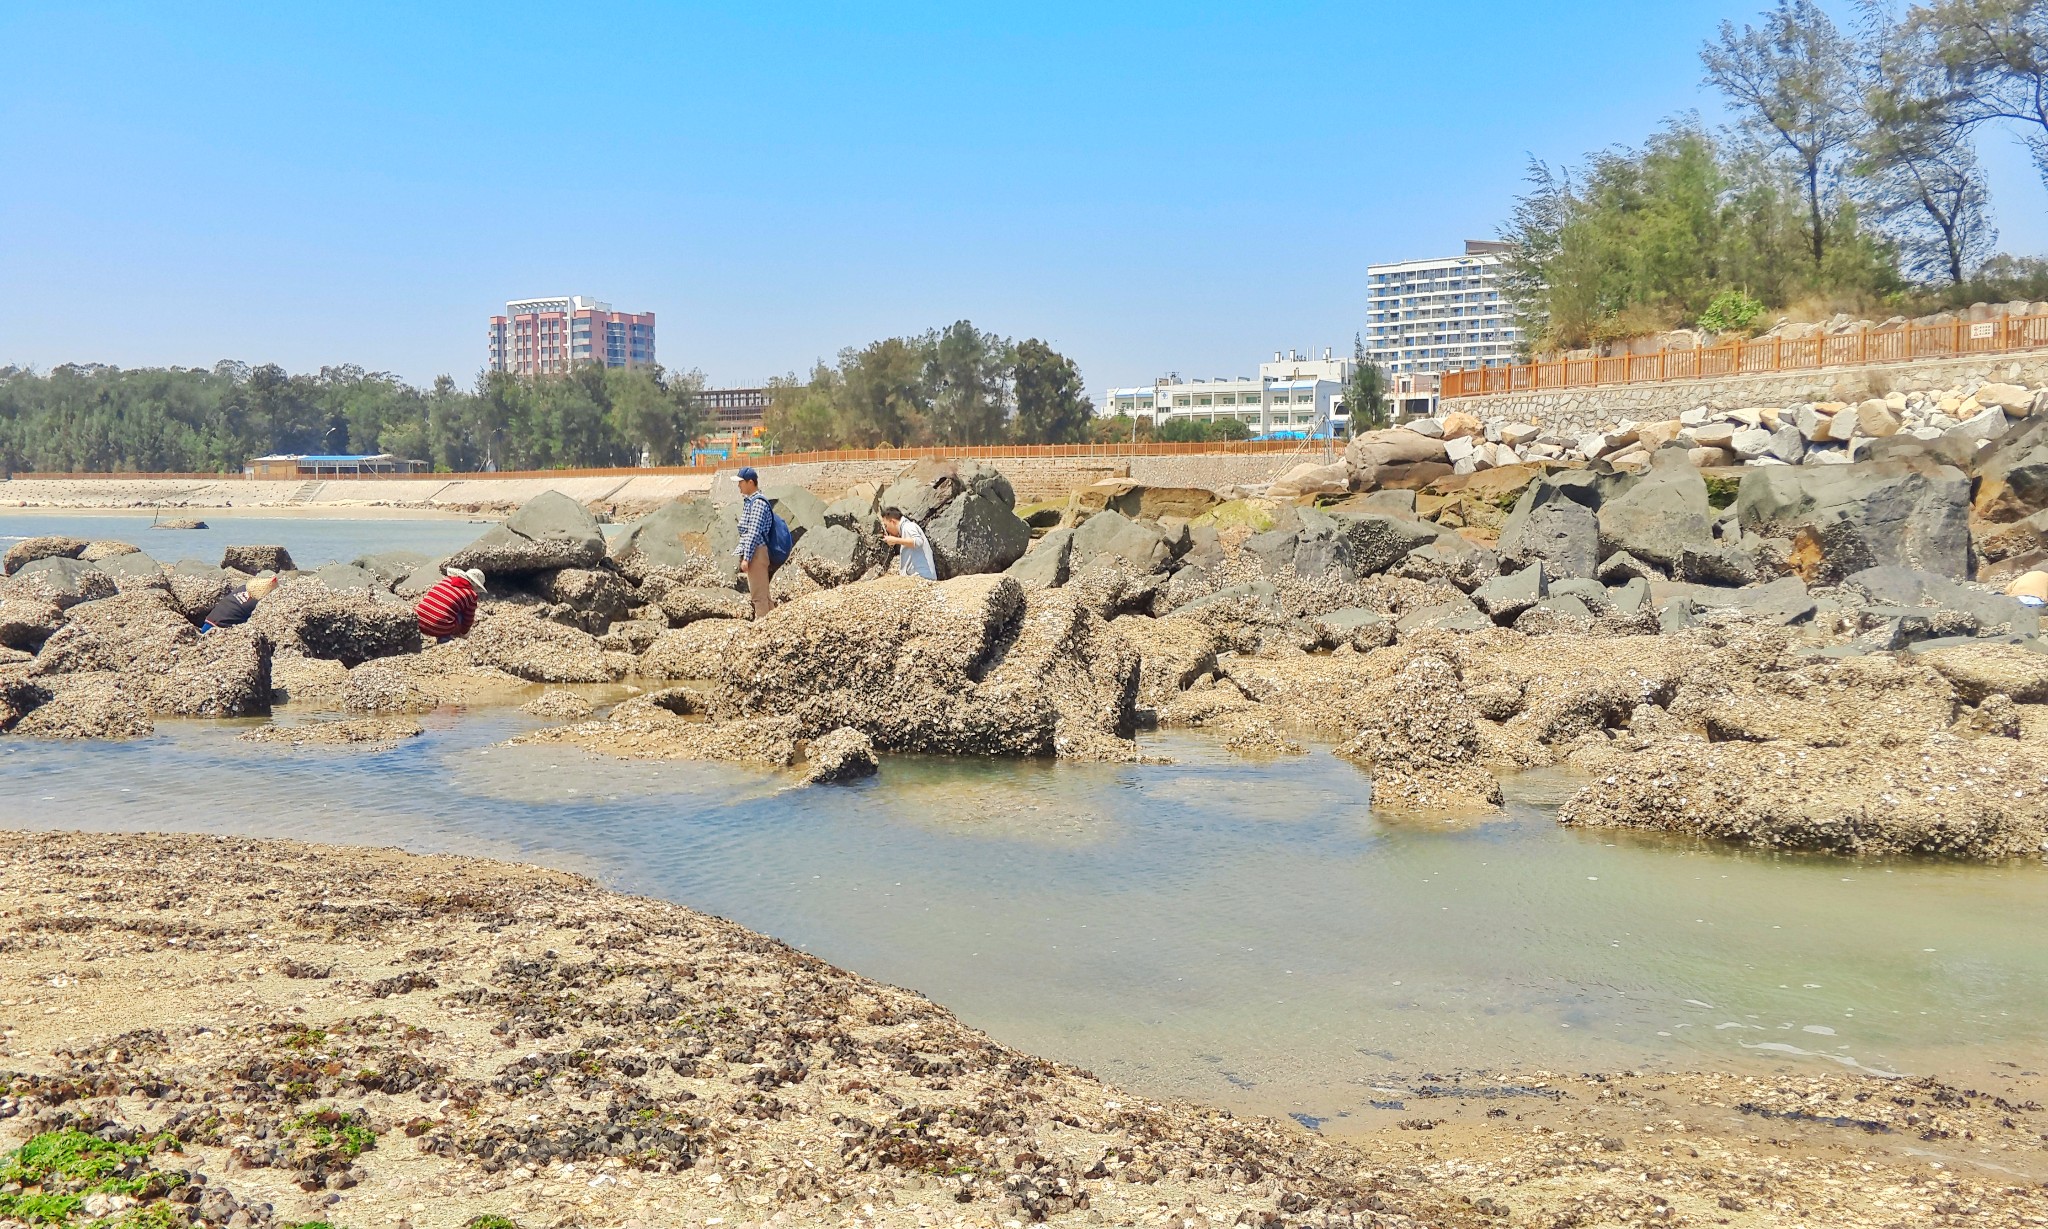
(1247, 933)
(313, 541)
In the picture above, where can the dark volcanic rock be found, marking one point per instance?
(1845, 518)
(548, 532)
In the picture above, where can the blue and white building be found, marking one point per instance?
(1294, 395)
(1426, 317)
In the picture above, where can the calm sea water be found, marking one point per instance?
(312, 541)
(1247, 933)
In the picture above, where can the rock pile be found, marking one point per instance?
(1440, 632)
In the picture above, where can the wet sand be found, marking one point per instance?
(500, 1038)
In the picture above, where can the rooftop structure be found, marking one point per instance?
(548, 336)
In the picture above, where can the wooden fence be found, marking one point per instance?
(993, 452)
(1763, 356)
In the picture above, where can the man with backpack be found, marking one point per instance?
(765, 541)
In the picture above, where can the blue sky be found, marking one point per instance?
(1149, 187)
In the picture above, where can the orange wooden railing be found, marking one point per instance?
(904, 455)
(1762, 356)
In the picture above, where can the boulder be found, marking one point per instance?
(133, 569)
(59, 580)
(1430, 428)
(537, 650)
(2008, 397)
(1712, 562)
(2012, 474)
(683, 535)
(1980, 428)
(1812, 424)
(970, 666)
(1173, 653)
(1788, 445)
(1144, 547)
(1554, 523)
(695, 651)
(1504, 597)
(1420, 742)
(195, 586)
(25, 623)
(304, 616)
(924, 489)
(1362, 629)
(392, 567)
(28, 550)
(978, 532)
(96, 551)
(1559, 613)
(1456, 615)
(548, 532)
(1876, 419)
(1988, 668)
(591, 598)
(1450, 557)
(834, 555)
(377, 687)
(1901, 586)
(254, 559)
(91, 706)
(1142, 502)
(164, 663)
(1843, 519)
(1659, 514)
(838, 756)
(1374, 451)
(1312, 478)
(1368, 544)
(346, 578)
(1047, 565)
(683, 605)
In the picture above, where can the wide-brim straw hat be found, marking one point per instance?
(261, 586)
(474, 576)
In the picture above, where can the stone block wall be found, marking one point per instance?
(1043, 478)
(1581, 411)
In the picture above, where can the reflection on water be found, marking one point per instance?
(1242, 932)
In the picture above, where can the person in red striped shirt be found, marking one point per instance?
(448, 609)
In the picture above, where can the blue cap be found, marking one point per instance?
(747, 474)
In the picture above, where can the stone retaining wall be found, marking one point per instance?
(1581, 411)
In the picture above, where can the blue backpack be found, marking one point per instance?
(780, 542)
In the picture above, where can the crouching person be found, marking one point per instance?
(237, 604)
(448, 609)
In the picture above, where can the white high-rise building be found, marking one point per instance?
(1294, 395)
(1425, 317)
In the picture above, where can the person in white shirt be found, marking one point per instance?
(916, 554)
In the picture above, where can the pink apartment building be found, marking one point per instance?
(549, 336)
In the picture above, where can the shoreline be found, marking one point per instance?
(522, 1041)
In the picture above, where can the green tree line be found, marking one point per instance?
(101, 418)
(1848, 180)
(956, 385)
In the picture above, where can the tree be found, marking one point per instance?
(883, 397)
(804, 415)
(1051, 408)
(1203, 431)
(1979, 62)
(1793, 82)
(967, 372)
(1365, 394)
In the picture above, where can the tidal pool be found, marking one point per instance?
(1247, 933)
